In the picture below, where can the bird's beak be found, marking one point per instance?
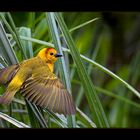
(58, 55)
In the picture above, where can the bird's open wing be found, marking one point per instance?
(46, 90)
(6, 74)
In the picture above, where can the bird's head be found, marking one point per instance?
(50, 55)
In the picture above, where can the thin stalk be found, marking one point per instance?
(83, 24)
(13, 121)
(85, 117)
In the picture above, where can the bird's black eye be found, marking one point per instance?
(51, 53)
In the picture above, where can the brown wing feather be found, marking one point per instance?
(67, 106)
(48, 92)
(6, 74)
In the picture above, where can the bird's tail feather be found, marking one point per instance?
(7, 97)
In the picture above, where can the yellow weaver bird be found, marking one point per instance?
(35, 79)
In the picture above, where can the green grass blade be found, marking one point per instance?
(63, 69)
(98, 89)
(57, 119)
(13, 121)
(31, 21)
(3, 63)
(39, 33)
(6, 51)
(83, 24)
(38, 115)
(34, 40)
(27, 44)
(19, 101)
(93, 100)
(85, 119)
(3, 124)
